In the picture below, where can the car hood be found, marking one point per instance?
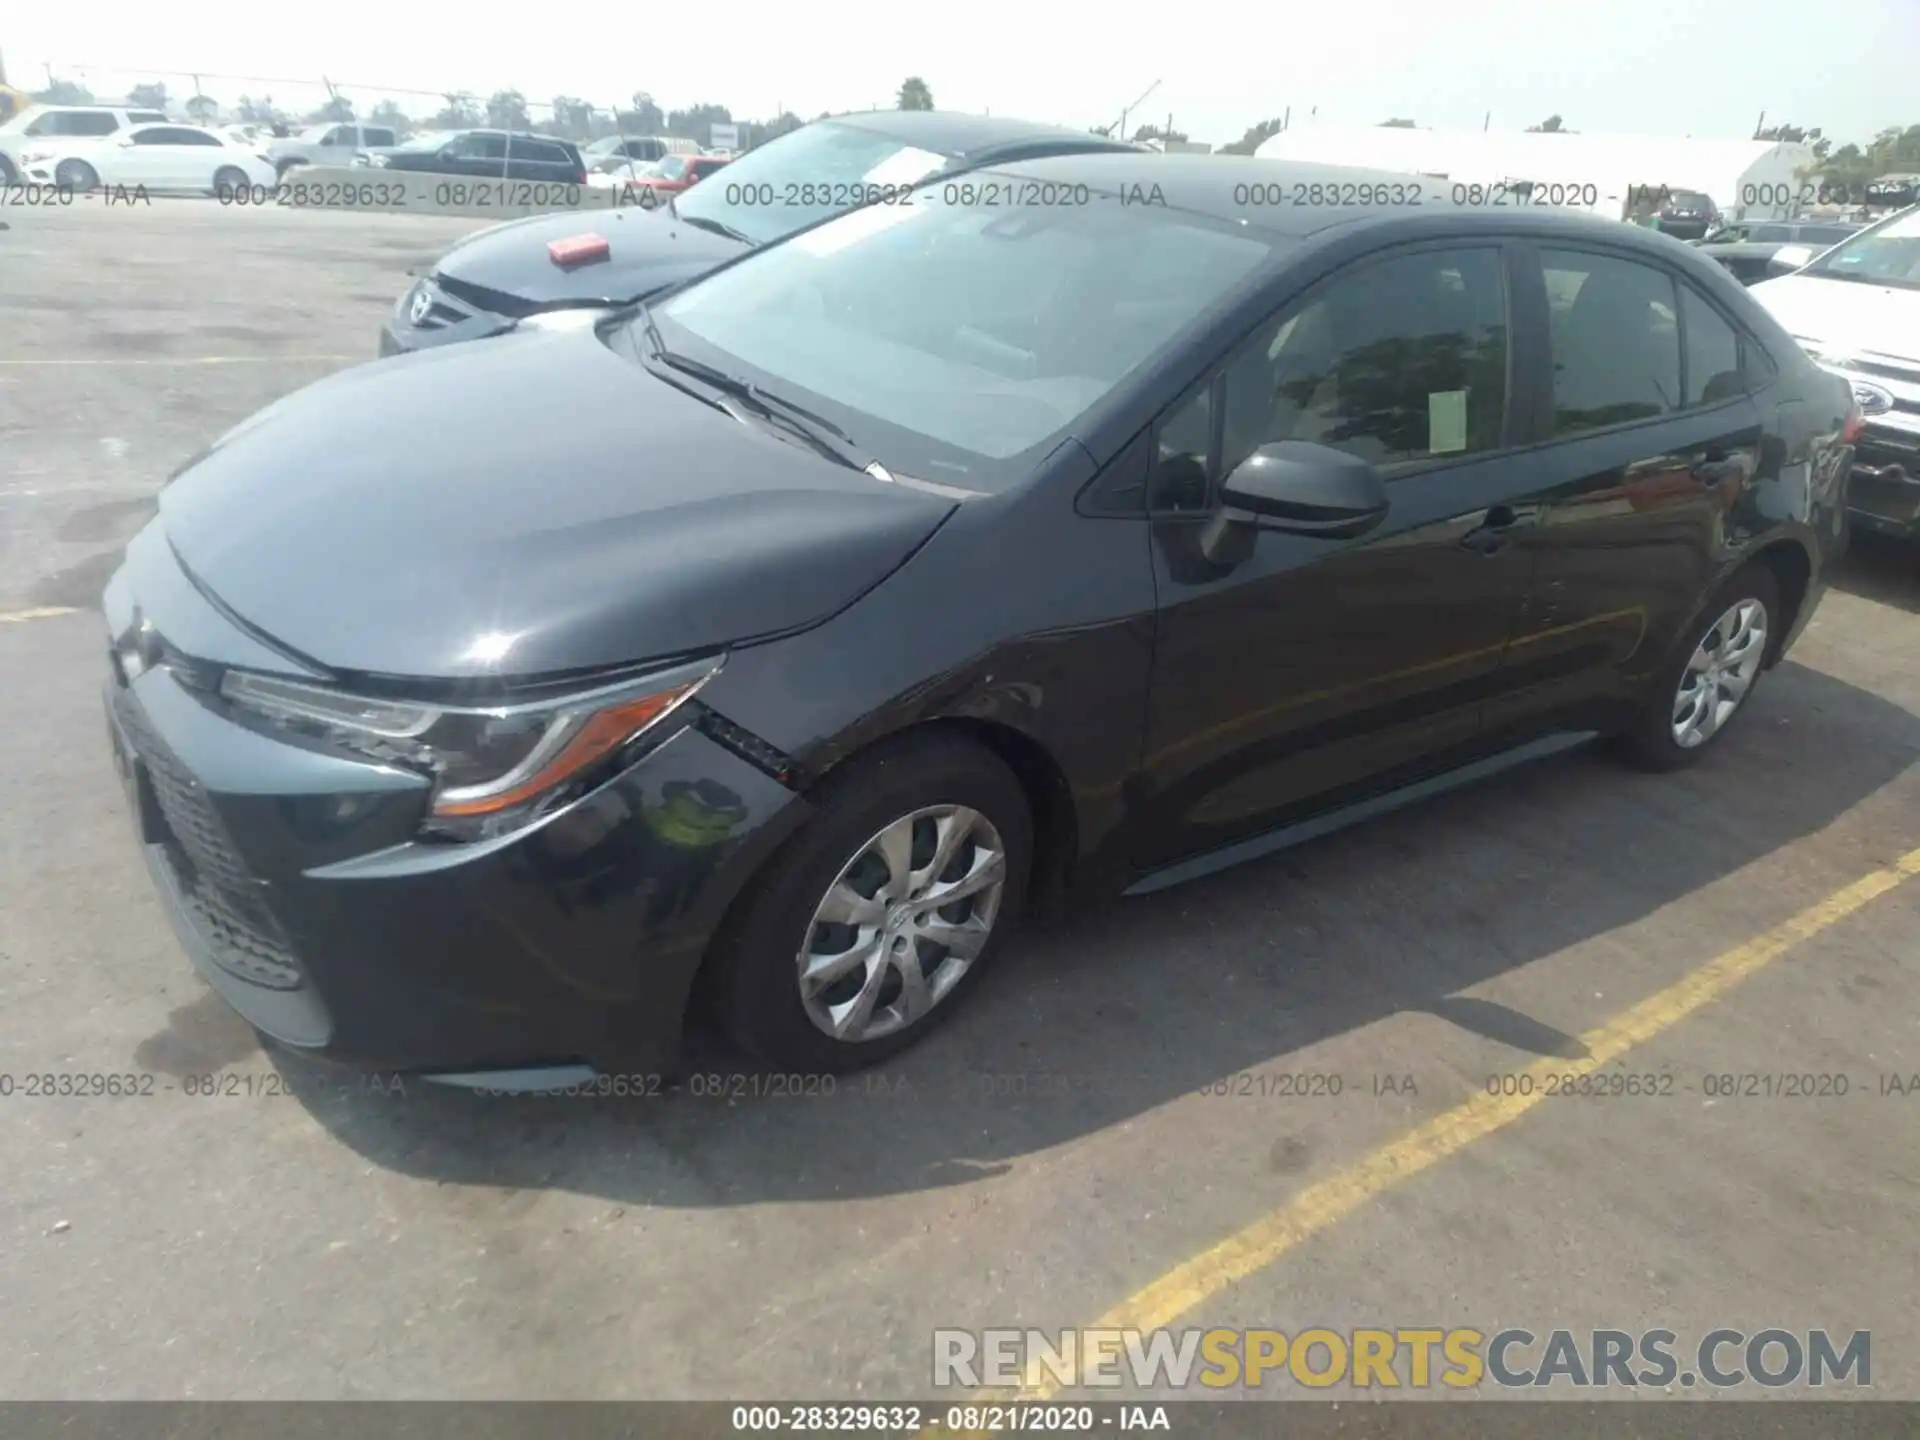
(525, 507)
(1845, 317)
(648, 250)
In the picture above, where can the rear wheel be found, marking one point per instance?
(230, 180)
(1708, 683)
(877, 918)
(76, 175)
(8, 175)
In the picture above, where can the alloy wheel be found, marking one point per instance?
(903, 921)
(1722, 670)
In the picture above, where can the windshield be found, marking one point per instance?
(1886, 254)
(804, 176)
(954, 341)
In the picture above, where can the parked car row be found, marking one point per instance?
(1753, 250)
(158, 157)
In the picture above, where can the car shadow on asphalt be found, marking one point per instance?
(1884, 568)
(1087, 1023)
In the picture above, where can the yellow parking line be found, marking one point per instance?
(204, 360)
(1324, 1204)
(39, 612)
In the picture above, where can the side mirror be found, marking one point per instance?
(1307, 489)
(1789, 258)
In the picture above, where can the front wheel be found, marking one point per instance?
(875, 920)
(231, 180)
(76, 175)
(1707, 685)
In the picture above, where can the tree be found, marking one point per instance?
(914, 94)
(572, 117)
(1154, 132)
(64, 92)
(1396, 125)
(337, 111)
(1255, 137)
(696, 121)
(389, 114)
(150, 96)
(507, 110)
(1549, 126)
(759, 132)
(646, 117)
(203, 109)
(257, 112)
(461, 112)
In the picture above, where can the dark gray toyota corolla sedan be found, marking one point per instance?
(1075, 528)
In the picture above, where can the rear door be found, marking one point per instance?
(1307, 672)
(1649, 442)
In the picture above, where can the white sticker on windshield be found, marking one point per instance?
(904, 167)
(1446, 422)
(853, 227)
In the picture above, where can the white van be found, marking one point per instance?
(53, 128)
(1856, 310)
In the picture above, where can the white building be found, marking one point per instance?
(1750, 179)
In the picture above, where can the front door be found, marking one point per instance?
(1299, 673)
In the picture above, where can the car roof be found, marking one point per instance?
(952, 133)
(1204, 185)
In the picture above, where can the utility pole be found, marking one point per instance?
(1135, 106)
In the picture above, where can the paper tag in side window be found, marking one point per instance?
(1446, 422)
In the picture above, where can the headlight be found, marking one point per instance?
(494, 770)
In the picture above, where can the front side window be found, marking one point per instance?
(377, 137)
(1615, 336)
(955, 336)
(1398, 361)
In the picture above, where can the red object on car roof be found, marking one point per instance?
(579, 249)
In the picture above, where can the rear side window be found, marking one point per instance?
(1713, 369)
(376, 137)
(1615, 334)
(543, 152)
(147, 117)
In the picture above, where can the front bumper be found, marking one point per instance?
(1883, 491)
(295, 884)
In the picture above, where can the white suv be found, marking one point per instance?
(58, 127)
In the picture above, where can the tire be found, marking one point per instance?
(280, 170)
(1655, 741)
(943, 783)
(231, 180)
(76, 175)
(8, 175)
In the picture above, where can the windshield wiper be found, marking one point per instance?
(700, 222)
(818, 431)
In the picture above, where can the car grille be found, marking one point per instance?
(497, 302)
(220, 895)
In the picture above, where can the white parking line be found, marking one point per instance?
(207, 360)
(39, 612)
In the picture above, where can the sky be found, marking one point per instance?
(1682, 67)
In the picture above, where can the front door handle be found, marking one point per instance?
(1497, 527)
